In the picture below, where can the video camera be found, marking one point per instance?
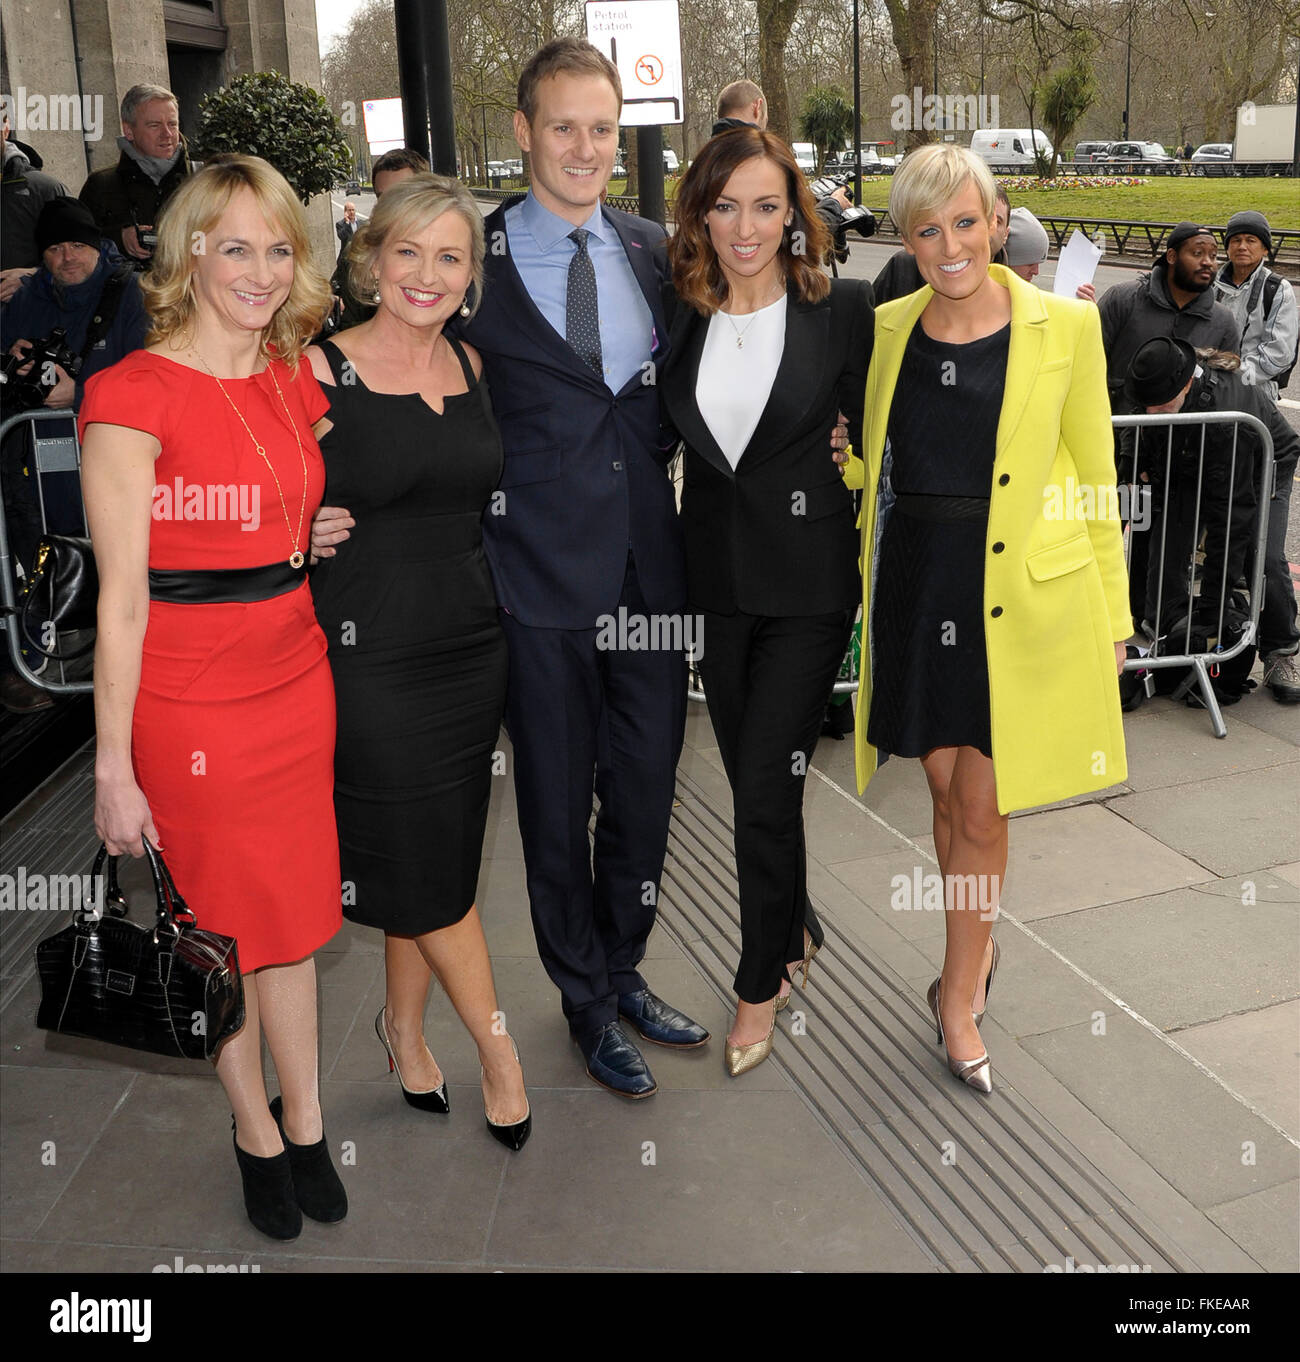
(22, 392)
(860, 218)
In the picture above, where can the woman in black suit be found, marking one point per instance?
(765, 350)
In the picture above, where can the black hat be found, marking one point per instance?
(1185, 231)
(64, 219)
(1249, 221)
(1160, 370)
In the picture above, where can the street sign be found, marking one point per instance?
(643, 39)
(385, 128)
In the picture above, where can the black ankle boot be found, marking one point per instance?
(268, 1193)
(318, 1188)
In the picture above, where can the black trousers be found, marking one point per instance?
(766, 680)
(583, 715)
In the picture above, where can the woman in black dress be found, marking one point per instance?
(413, 453)
(996, 628)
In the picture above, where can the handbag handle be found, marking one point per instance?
(170, 907)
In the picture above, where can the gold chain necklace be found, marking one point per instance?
(296, 558)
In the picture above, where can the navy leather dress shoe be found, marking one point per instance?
(659, 1023)
(615, 1063)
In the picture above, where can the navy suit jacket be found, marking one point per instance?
(585, 476)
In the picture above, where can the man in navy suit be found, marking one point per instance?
(583, 531)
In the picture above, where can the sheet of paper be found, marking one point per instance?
(1077, 265)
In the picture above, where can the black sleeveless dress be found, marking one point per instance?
(418, 656)
(930, 676)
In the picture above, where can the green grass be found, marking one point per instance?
(1152, 199)
(1166, 199)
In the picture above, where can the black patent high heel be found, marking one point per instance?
(973, 1072)
(317, 1186)
(269, 1197)
(513, 1136)
(431, 1099)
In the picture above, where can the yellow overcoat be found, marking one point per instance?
(1055, 585)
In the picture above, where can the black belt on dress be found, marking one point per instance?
(216, 586)
(926, 507)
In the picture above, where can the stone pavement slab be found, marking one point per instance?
(1228, 824)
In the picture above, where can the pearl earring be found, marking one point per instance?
(374, 297)
(464, 308)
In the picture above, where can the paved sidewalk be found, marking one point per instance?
(1143, 1031)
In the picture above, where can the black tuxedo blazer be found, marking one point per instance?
(777, 535)
(585, 476)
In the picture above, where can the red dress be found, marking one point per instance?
(233, 735)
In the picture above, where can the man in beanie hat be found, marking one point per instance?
(1175, 298)
(77, 268)
(85, 287)
(1026, 247)
(1262, 303)
(1167, 375)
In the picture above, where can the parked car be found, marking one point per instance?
(353, 186)
(671, 164)
(619, 172)
(1091, 151)
(1010, 149)
(1213, 158)
(1139, 158)
(496, 172)
(805, 155)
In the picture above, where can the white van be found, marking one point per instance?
(805, 155)
(1009, 149)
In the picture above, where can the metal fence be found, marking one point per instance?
(48, 453)
(1200, 589)
(1198, 519)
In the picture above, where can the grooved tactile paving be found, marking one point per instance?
(984, 1183)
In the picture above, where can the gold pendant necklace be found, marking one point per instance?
(296, 558)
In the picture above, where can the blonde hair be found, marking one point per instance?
(932, 176)
(191, 213)
(406, 210)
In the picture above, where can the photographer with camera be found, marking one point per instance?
(79, 313)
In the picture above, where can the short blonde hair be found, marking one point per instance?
(932, 176)
(404, 211)
(191, 213)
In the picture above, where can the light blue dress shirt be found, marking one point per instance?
(541, 251)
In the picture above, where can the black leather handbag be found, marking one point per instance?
(62, 594)
(170, 988)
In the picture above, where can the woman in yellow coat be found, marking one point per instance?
(994, 587)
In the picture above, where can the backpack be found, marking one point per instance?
(1232, 680)
(1271, 286)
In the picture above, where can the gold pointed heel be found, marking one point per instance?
(988, 983)
(741, 1058)
(975, 1073)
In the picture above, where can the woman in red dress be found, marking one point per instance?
(214, 707)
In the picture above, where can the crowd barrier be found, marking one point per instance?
(49, 453)
(1183, 505)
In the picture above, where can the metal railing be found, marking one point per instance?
(46, 455)
(1204, 513)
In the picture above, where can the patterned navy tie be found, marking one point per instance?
(581, 321)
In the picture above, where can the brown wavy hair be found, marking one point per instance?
(697, 275)
(191, 213)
